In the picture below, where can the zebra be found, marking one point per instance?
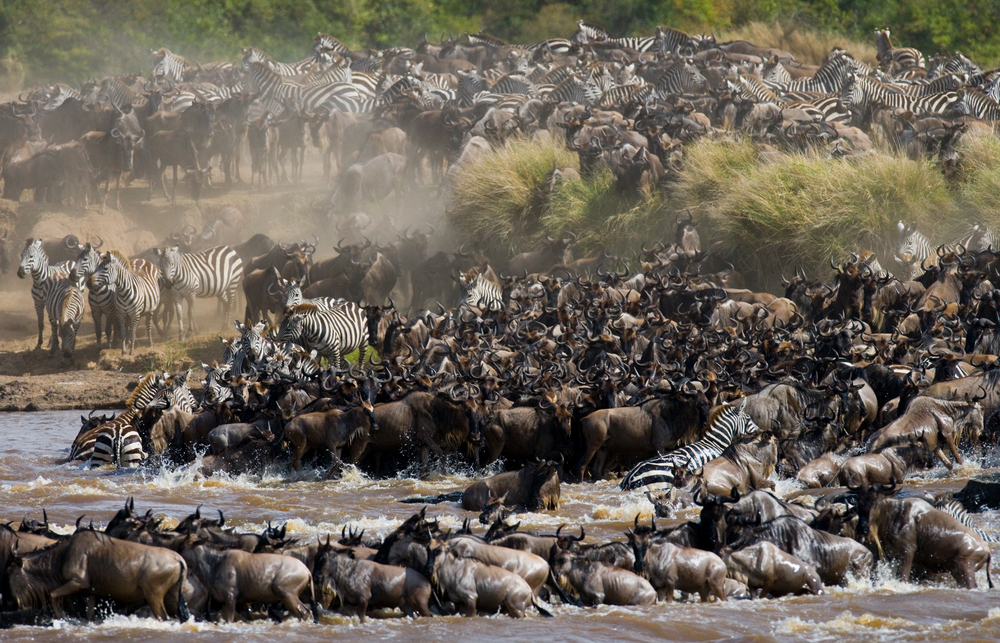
(670, 40)
(980, 105)
(170, 66)
(906, 57)
(481, 295)
(678, 78)
(136, 293)
(119, 95)
(325, 43)
(727, 424)
(70, 314)
(44, 278)
(253, 55)
(270, 84)
(586, 33)
(332, 333)
(252, 346)
(101, 300)
(119, 441)
(179, 393)
(861, 93)
(914, 250)
(215, 272)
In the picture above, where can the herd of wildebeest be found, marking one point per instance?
(553, 367)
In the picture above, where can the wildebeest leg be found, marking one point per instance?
(294, 605)
(939, 452)
(950, 440)
(965, 575)
(905, 565)
(173, 190)
(54, 339)
(104, 200)
(118, 192)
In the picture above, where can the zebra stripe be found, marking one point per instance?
(44, 278)
(914, 250)
(678, 78)
(731, 424)
(136, 293)
(270, 84)
(325, 43)
(114, 442)
(905, 57)
(332, 333)
(293, 297)
(955, 509)
(861, 93)
(170, 66)
(828, 79)
(481, 295)
(980, 105)
(215, 272)
(101, 299)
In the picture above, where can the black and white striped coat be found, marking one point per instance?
(101, 300)
(136, 293)
(728, 425)
(44, 278)
(120, 441)
(215, 272)
(70, 314)
(481, 295)
(332, 333)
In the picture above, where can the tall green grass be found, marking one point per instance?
(794, 209)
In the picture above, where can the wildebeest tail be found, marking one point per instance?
(541, 610)
(989, 579)
(434, 500)
(182, 607)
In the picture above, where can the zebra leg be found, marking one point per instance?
(192, 326)
(40, 313)
(180, 316)
(149, 327)
(96, 313)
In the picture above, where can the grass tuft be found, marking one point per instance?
(807, 45)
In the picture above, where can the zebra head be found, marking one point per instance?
(87, 260)
(33, 258)
(293, 292)
(252, 340)
(744, 423)
(108, 271)
(910, 243)
(169, 262)
(291, 328)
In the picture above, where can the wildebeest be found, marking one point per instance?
(597, 583)
(933, 423)
(330, 430)
(234, 576)
(92, 562)
(883, 467)
(669, 567)
(534, 486)
(834, 557)
(363, 584)
(533, 569)
(913, 533)
(766, 568)
(475, 586)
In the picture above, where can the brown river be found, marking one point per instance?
(884, 610)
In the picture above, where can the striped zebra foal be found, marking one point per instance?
(916, 253)
(136, 293)
(71, 317)
(44, 279)
(728, 424)
(215, 272)
(332, 333)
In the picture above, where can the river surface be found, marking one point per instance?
(884, 610)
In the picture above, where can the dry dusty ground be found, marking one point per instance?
(31, 379)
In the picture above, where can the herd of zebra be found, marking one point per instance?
(628, 103)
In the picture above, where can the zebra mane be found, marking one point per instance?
(116, 254)
(147, 382)
(304, 308)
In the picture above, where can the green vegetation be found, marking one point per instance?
(69, 40)
(796, 209)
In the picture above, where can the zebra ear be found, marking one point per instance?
(901, 226)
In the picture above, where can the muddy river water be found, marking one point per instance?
(883, 610)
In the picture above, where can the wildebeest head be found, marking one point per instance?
(869, 497)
